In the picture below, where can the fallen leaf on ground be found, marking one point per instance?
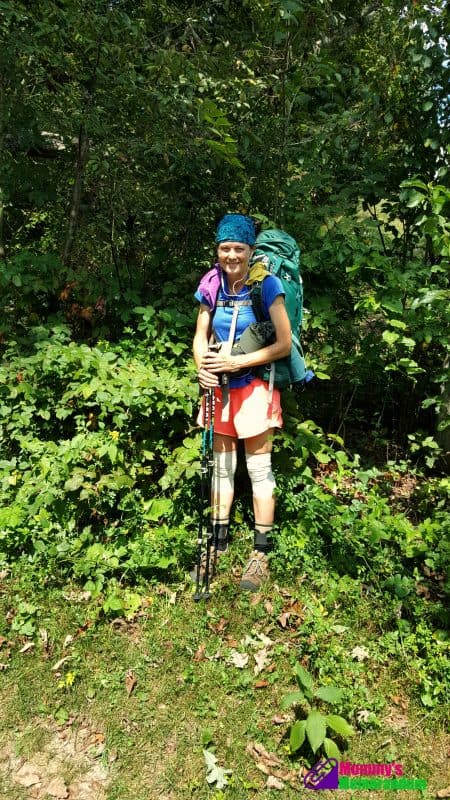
(26, 647)
(261, 755)
(239, 660)
(292, 614)
(400, 701)
(443, 792)
(113, 754)
(279, 719)
(68, 640)
(265, 639)
(261, 684)
(269, 607)
(262, 660)
(360, 653)
(57, 788)
(59, 663)
(274, 783)
(130, 681)
(219, 627)
(43, 634)
(216, 657)
(215, 774)
(269, 764)
(200, 654)
(26, 776)
(255, 599)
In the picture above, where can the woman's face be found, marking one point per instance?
(233, 258)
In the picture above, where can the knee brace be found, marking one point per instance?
(259, 466)
(223, 477)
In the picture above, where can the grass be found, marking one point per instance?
(147, 695)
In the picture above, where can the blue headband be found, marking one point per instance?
(236, 228)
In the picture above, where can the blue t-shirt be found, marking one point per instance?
(271, 289)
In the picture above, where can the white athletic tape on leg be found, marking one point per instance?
(223, 477)
(259, 466)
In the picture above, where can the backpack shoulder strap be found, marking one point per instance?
(257, 303)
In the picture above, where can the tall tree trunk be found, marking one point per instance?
(82, 157)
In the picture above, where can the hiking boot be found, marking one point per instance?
(256, 572)
(214, 557)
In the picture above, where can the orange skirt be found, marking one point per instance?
(250, 411)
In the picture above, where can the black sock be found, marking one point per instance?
(262, 539)
(220, 535)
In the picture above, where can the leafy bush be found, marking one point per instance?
(91, 439)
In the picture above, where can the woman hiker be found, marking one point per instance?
(249, 409)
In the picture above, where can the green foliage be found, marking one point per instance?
(313, 728)
(90, 442)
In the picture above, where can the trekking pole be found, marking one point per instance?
(210, 468)
(206, 465)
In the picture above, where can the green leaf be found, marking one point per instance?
(390, 337)
(304, 679)
(61, 715)
(157, 508)
(427, 700)
(74, 483)
(297, 737)
(339, 725)
(414, 199)
(322, 457)
(397, 323)
(165, 561)
(331, 748)
(113, 603)
(316, 728)
(291, 699)
(330, 694)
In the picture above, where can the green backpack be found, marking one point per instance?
(280, 255)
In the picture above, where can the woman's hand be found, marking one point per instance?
(219, 362)
(207, 379)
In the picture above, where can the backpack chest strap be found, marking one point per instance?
(233, 303)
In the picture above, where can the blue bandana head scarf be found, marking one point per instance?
(236, 228)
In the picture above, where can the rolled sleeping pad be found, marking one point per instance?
(256, 336)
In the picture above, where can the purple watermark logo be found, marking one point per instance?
(330, 774)
(324, 775)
